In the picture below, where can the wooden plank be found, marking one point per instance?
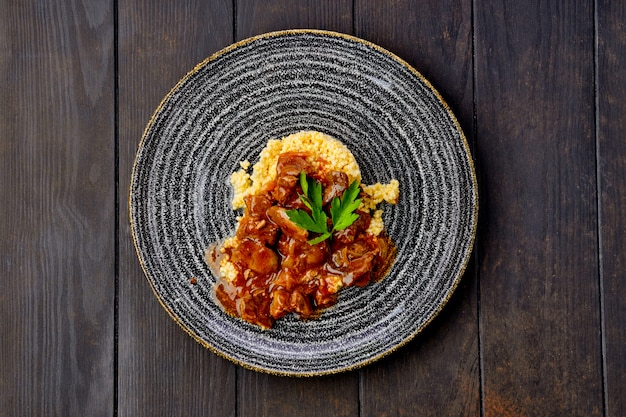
(438, 373)
(162, 371)
(539, 292)
(268, 395)
(435, 37)
(612, 184)
(255, 17)
(58, 208)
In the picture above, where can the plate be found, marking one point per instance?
(224, 111)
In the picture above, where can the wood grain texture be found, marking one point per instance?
(162, 370)
(438, 373)
(539, 292)
(612, 187)
(57, 203)
(545, 304)
(255, 17)
(435, 37)
(267, 395)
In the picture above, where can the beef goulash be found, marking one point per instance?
(309, 228)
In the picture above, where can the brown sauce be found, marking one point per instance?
(278, 271)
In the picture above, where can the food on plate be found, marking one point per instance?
(309, 228)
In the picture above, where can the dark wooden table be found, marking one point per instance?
(537, 326)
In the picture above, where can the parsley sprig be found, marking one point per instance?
(341, 209)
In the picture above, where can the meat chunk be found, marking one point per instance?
(279, 216)
(258, 229)
(280, 304)
(257, 205)
(358, 271)
(300, 255)
(254, 224)
(336, 184)
(252, 254)
(350, 233)
(288, 168)
(291, 164)
(301, 304)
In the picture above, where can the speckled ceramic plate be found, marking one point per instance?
(395, 124)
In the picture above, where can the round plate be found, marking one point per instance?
(224, 111)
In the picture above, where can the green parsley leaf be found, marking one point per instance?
(312, 198)
(320, 238)
(341, 209)
(307, 222)
(304, 183)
